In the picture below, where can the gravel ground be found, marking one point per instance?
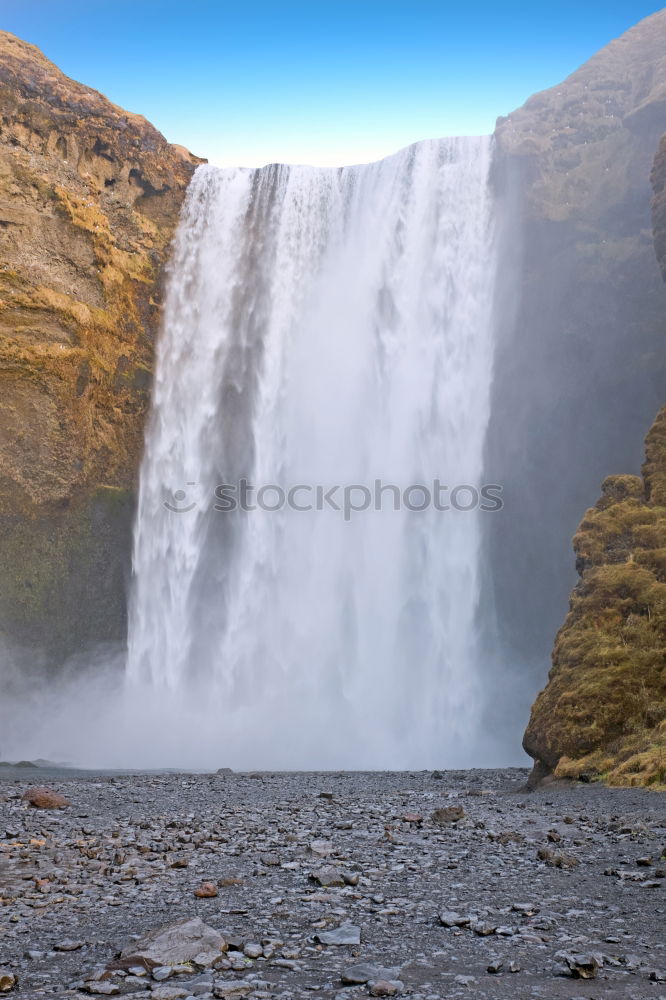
(542, 887)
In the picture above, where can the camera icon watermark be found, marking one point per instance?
(177, 502)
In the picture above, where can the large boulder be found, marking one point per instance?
(189, 940)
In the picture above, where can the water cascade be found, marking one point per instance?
(323, 328)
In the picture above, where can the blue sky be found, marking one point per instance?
(321, 82)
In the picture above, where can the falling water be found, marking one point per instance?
(323, 327)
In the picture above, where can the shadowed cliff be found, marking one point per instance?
(89, 199)
(580, 364)
(603, 711)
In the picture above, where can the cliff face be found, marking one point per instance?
(89, 199)
(603, 711)
(580, 365)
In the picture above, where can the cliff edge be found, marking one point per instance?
(89, 199)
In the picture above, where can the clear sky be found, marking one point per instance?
(327, 82)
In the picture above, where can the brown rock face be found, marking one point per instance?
(89, 199)
(45, 798)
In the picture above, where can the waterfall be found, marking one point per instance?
(323, 328)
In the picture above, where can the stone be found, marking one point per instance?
(44, 798)
(449, 918)
(253, 950)
(580, 966)
(328, 876)
(555, 860)
(68, 946)
(169, 992)
(8, 981)
(321, 847)
(385, 988)
(189, 940)
(207, 890)
(447, 814)
(269, 860)
(162, 972)
(495, 965)
(484, 928)
(345, 934)
(232, 988)
(365, 972)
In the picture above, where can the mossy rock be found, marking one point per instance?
(602, 712)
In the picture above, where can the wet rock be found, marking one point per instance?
(44, 798)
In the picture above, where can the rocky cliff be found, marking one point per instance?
(580, 367)
(603, 711)
(89, 199)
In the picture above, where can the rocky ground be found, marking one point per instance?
(440, 885)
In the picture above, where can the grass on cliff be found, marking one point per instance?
(603, 712)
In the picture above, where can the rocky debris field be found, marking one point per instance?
(428, 885)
